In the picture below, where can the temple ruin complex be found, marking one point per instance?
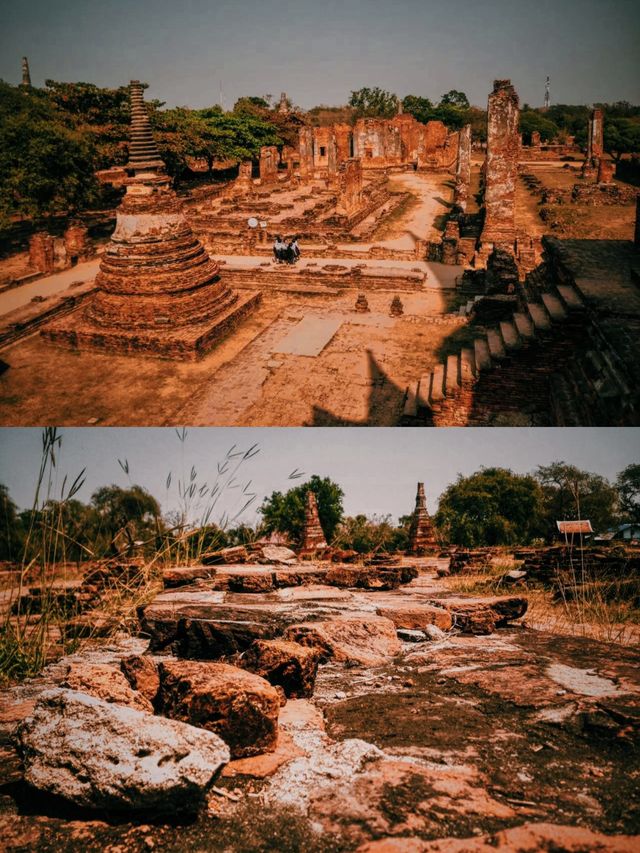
(158, 291)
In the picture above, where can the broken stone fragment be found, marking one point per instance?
(102, 755)
(416, 616)
(105, 682)
(238, 706)
(278, 554)
(483, 615)
(142, 674)
(288, 665)
(368, 640)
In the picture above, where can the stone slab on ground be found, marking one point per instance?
(309, 337)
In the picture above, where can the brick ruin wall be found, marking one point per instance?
(503, 148)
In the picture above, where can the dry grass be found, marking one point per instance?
(604, 612)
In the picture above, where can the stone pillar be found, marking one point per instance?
(535, 139)
(76, 242)
(268, 164)
(313, 538)
(463, 168)
(349, 180)
(343, 135)
(243, 184)
(606, 169)
(305, 151)
(422, 539)
(595, 144)
(42, 252)
(502, 164)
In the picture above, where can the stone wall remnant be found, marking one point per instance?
(76, 243)
(503, 147)
(349, 186)
(463, 168)
(269, 164)
(42, 252)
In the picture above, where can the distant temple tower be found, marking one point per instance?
(283, 105)
(547, 96)
(313, 538)
(26, 74)
(422, 539)
(159, 291)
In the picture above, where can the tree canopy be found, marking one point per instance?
(373, 103)
(285, 512)
(494, 506)
(570, 493)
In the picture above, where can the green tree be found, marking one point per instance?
(117, 508)
(364, 535)
(11, 528)
(46, 165)
(285, 512)
(628, 488)
(621, 136)
(454, 98)
(420, 108)
(532, 120)
(570, 493)
(373, 103)
(494, 506)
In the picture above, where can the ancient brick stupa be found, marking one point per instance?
(422, 539)
(313, 538)
(159, 292)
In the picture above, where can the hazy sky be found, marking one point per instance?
(377, 468)
(318, 50)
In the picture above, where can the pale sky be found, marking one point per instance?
(377, 468)
(318, 52)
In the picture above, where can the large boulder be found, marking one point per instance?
(365, 639)
(240, 707)
(102, 755)
(104, 682)
(289, 665)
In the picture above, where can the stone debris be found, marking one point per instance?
(289, 665)
(238, 706)
(483, 615)
(368, 640)
(105, 682)
(106, 756)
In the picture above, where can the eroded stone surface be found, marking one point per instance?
(102, 755)
(289, 665)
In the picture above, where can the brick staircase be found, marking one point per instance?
(545, 366)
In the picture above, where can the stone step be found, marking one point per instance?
(482, 354)
(554, 307)
(510, 334)
(452, 381)
(539, 315)
(524, 326)
(410, 405)
(495, 343)
(436, 392)
(468, 369)
(570, 296)
(424, 389)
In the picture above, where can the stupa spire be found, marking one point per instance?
(143, 151)
(26, 74)
(422, 539)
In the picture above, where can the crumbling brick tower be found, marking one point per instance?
(463, 168)
(595, 144)
(159, 292)
(503, 144)
(422, 539)
(313, 538)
